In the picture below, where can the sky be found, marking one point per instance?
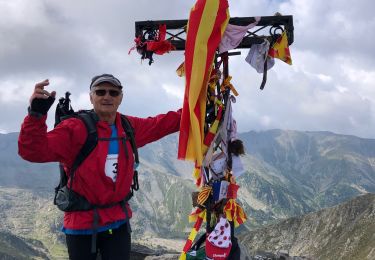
(329, 87)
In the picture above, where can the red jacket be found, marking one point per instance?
(63, 143)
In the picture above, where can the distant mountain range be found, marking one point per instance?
(288, 173)
(292, 173)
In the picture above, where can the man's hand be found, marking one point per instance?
(41, 100)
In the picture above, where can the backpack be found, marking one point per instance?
(65, 198)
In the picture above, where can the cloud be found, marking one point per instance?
(329, 87)
(174, 91)
(334, 28)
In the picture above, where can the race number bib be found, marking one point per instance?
(111, 166)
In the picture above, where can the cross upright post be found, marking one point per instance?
(171, 35)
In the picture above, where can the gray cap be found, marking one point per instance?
(105, 78)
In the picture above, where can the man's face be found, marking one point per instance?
(104, 99)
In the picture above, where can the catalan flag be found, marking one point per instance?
(198, 217)
(207, 22)
(234, 212)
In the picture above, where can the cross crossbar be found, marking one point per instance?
(176, 29)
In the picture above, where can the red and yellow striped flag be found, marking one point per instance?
(207, 22)
(234, 212)
(198, 217)
(280, 49)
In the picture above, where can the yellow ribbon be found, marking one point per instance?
(226, 84)
(213, 128)
(197, 213)
(181, 70)
(196, 173)
(212, 87)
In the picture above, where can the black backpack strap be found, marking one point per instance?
(129, 130)
(90, 119)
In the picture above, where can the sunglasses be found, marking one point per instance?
(103, 92)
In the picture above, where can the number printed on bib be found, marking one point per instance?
(111, 166)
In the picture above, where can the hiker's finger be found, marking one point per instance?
(40, 92)
(42, 84)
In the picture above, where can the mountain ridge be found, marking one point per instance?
(345, 231)
(288, 173)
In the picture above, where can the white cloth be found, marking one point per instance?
(237, 166)
(233, 35)
(222, 192)
(111, 166)
(220, 236)
(231, 123)
(219, 163)
(221, 136)
(257, 55)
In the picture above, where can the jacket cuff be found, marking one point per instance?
(33, 113)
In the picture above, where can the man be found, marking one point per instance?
(106, 175)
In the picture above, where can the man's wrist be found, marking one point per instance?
(33, 113)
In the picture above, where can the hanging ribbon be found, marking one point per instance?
(234, 212)
(181, 70)
(197, 175)
(198, 216)
(212, 85)
(160, 45)
(227, 84)
(213, 129)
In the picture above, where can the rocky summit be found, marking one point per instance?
(346, 231)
